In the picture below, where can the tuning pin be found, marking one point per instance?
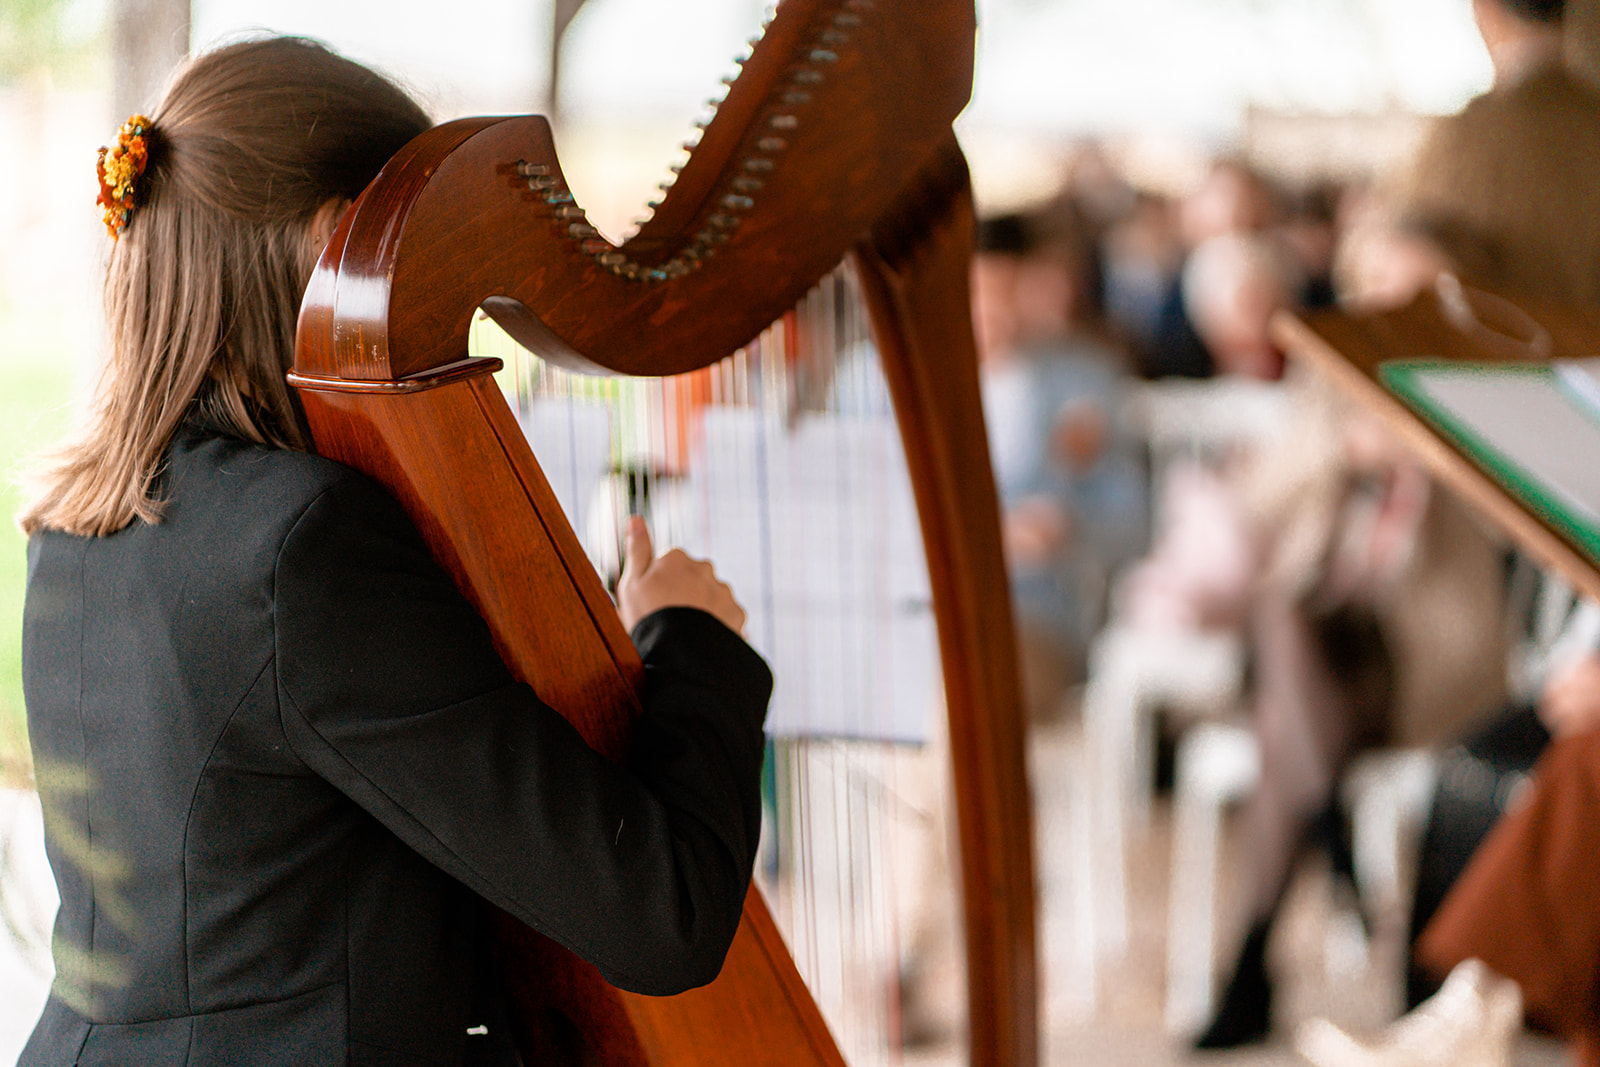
(822, 55)
(783, 122)
(771, 144)
(531, 170)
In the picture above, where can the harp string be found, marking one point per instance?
(781, 464)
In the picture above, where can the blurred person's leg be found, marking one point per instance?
(1322, 686)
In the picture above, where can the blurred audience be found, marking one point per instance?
(1233, 284)
(1072, 488)
(1371, 602)
(1508, 193)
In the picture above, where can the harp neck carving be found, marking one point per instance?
(837, 108)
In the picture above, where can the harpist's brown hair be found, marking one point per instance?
(204, 285)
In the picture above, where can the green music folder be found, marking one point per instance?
(1533, 427)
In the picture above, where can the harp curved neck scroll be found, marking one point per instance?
(834, 141)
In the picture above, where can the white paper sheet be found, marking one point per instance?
(1532, 421)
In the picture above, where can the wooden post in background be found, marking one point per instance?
(149, 38)
(561, 15)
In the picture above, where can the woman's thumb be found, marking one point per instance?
(637, 549)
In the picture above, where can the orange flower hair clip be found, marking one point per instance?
(119, 168)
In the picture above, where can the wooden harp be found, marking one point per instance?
(834, 142)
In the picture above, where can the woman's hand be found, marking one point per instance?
(673, 581)
(1571, 700)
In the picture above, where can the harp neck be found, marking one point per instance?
(840, 106)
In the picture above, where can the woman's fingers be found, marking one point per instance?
(675, 579)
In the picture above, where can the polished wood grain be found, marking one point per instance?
(1347, 349)
(835, 138)
(913, 269)
(495, 526)
(884, 102)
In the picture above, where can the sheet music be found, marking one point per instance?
(571, 436)
(815, 529)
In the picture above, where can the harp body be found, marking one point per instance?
(835, 141)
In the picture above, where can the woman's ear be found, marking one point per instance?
(324, 222)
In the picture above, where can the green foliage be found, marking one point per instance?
(35, 382)
(51, 36)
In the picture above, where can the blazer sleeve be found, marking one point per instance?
(390, 689)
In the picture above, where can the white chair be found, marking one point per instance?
(1218, 764)
(1387, 794)
(1132, 674)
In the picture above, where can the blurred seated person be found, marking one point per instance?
(1554, 678)
(1072, 488)
(1382, 262)
(1509, 188)
(1146, 256)
(1142, 256)
(1519, 931)
(1369, 599)
(1374, 620)
(1233, 284)
(1508, 192)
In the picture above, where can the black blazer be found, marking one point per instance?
(279, 757)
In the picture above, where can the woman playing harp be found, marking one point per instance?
(279, 752)
(833, 142)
